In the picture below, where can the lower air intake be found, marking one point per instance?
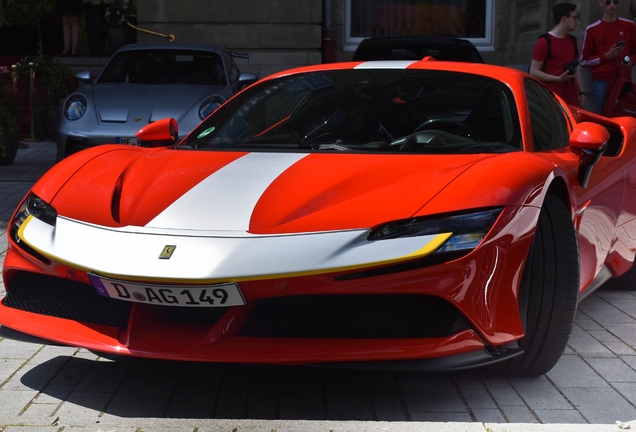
(62, 298)
(354, 317)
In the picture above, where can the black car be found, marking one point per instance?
(416, 48)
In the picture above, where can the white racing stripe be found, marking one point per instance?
(386, 64)
(225, 200)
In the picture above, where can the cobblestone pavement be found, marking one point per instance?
(46, 388)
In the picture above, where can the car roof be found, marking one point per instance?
(172, 46)
(512, 77)
(416, 48)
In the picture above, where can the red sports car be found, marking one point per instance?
(423, 215)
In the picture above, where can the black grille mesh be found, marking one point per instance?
(314, 316)
(354, 317)
(63, 298)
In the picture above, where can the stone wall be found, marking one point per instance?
(277, 34)
(280, 34)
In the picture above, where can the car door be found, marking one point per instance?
(597, 207)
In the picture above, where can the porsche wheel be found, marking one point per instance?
(549, 292)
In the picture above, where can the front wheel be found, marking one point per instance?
(549, 292)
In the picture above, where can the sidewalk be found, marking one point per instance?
(46, 388)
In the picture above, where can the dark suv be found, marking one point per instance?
(416, 48)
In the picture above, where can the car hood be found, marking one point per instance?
(258, 193)
(143, 103)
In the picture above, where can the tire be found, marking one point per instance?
(548, 293)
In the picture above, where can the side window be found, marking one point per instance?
(549, 125)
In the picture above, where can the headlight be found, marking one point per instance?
(468, 229)
(75, 107)
(36, 207)
(210, 105)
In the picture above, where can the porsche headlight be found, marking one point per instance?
(75, 107)
(210, 105)
(36, 207)
(467, 229)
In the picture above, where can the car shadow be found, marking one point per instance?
(76, 384)
(142, 388)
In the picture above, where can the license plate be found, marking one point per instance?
(221, 295)
(128, 141)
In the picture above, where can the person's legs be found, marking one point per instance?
(66, 31)
(599, 89)
(74, 20)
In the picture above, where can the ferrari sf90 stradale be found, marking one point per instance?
(426, 215)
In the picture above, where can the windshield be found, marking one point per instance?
(388, 110)
(165, 66)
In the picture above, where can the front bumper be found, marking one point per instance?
(450, 363)
(427, 310)
(297, 329)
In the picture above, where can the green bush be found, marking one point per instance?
(9, 112)
(53, 81)
(26, 12)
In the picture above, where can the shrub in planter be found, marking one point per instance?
(9, 130)
(56, 80)
(53, 81)
(9, 138)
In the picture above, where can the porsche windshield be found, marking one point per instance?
(164, 66)
(371, 110)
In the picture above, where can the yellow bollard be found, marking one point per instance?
(14, 76)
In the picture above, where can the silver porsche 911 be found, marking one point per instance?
(142, 83)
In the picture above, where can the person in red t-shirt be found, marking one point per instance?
(605, 44)
(555, 62)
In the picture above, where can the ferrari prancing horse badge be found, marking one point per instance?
(167, 251)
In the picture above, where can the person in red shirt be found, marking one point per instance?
(605, 44)
(555, 56)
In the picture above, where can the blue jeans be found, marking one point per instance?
(599, 89)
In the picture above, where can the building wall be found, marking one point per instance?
(280, 34)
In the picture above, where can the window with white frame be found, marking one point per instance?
(466, 19)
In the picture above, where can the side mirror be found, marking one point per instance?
(164, 132)
(246, 78)
(591, 139)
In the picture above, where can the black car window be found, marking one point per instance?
(547, 118)
(369, 110)
(399, 51)
(416, 48)
(165, 66)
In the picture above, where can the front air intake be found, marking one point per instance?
(354, 317)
